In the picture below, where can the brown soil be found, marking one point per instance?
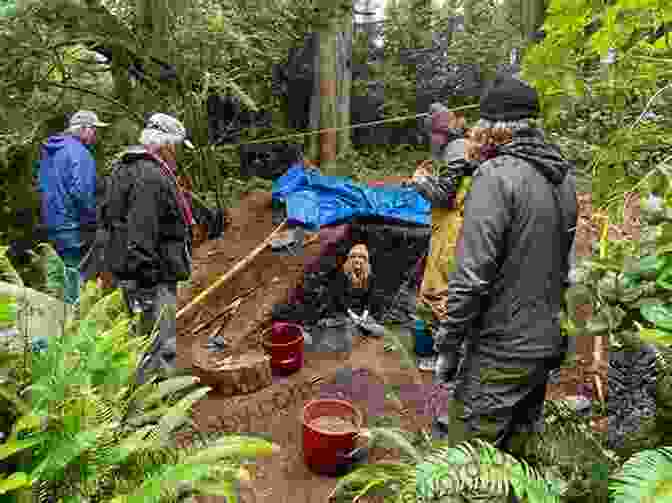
(276, 410)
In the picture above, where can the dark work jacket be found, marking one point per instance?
(441, 188)
(146, 237)
(342, 296)
(513, 254)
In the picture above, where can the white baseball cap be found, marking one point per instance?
(165, 129)
(86, 118)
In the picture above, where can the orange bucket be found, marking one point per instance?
(330, 430)
(284, 343)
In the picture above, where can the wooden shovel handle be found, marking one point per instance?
(231, 272)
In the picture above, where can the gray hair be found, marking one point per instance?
(513, 126)
(74, 130)
(154, 137)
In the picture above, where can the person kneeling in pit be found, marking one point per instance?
(357, 291)
(352, 301)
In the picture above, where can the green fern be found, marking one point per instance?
(7, 271)
(96, 436)
(473, 470)
(645, 477)
(53, 269)
(8, 305)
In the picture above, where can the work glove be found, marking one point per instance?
(356, 319)
(446, 366)
(367, 323)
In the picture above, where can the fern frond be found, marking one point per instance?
(393, 438)
(7, 271)
(53, 268)
(64, 450)
(233, 447)
(169, 387)
(646, 476)
(107, 310)
(168, 480)
(178, 414)
(478, 469)
(368, 479)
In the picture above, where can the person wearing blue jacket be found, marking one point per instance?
(67, 182)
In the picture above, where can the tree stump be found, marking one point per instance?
(232, 374)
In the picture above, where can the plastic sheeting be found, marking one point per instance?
(314, 200)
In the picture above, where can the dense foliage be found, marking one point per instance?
(78, 429)
(603, 73)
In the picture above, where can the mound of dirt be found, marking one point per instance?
(263, 283)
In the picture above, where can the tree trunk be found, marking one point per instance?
(328, 91)
(314, 122)
(344, 79)
(468, 14)
(533, 14)
(328, 87)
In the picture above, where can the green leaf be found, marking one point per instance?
(656, 336)
(658, 314)
(54, 269)
(178, 414)
(13, 482)
(8, 311)
(13, 446)
(644, 477)
(223, 488)
(233, 447)
(169, 387)
(26, 423)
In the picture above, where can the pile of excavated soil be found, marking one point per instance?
(269, 275)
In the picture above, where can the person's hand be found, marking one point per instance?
(422, 170)
(357, 320)
(455, 121)
(445, 368)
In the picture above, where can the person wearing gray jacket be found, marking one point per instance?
(512, 263)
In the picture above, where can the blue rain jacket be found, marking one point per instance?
(67, 181)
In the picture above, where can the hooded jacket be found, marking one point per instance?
(145, 237)
(512, 257)
(67, 182)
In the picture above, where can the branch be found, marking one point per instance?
(93, 93)
(648, 105)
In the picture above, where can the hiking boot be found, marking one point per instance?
(427, 363)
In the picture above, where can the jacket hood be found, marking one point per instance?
(134, 153)
(546, 158)
(58, 142)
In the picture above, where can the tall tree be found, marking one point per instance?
(533, 12)
(344, 80)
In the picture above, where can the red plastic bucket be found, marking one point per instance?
(324, 445)
(284, 343)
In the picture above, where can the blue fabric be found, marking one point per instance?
(314, 200)
(67, 180)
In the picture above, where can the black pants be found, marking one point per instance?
(499, 402)
(157, 304)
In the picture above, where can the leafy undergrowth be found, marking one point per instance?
(80, 430)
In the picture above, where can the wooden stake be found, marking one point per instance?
(231, 273)
(597, 359)
(235, 304)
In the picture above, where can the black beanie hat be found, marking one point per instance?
(509, 99)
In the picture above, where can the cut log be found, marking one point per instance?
(232, 374)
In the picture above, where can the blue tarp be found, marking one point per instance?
(314, 200)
